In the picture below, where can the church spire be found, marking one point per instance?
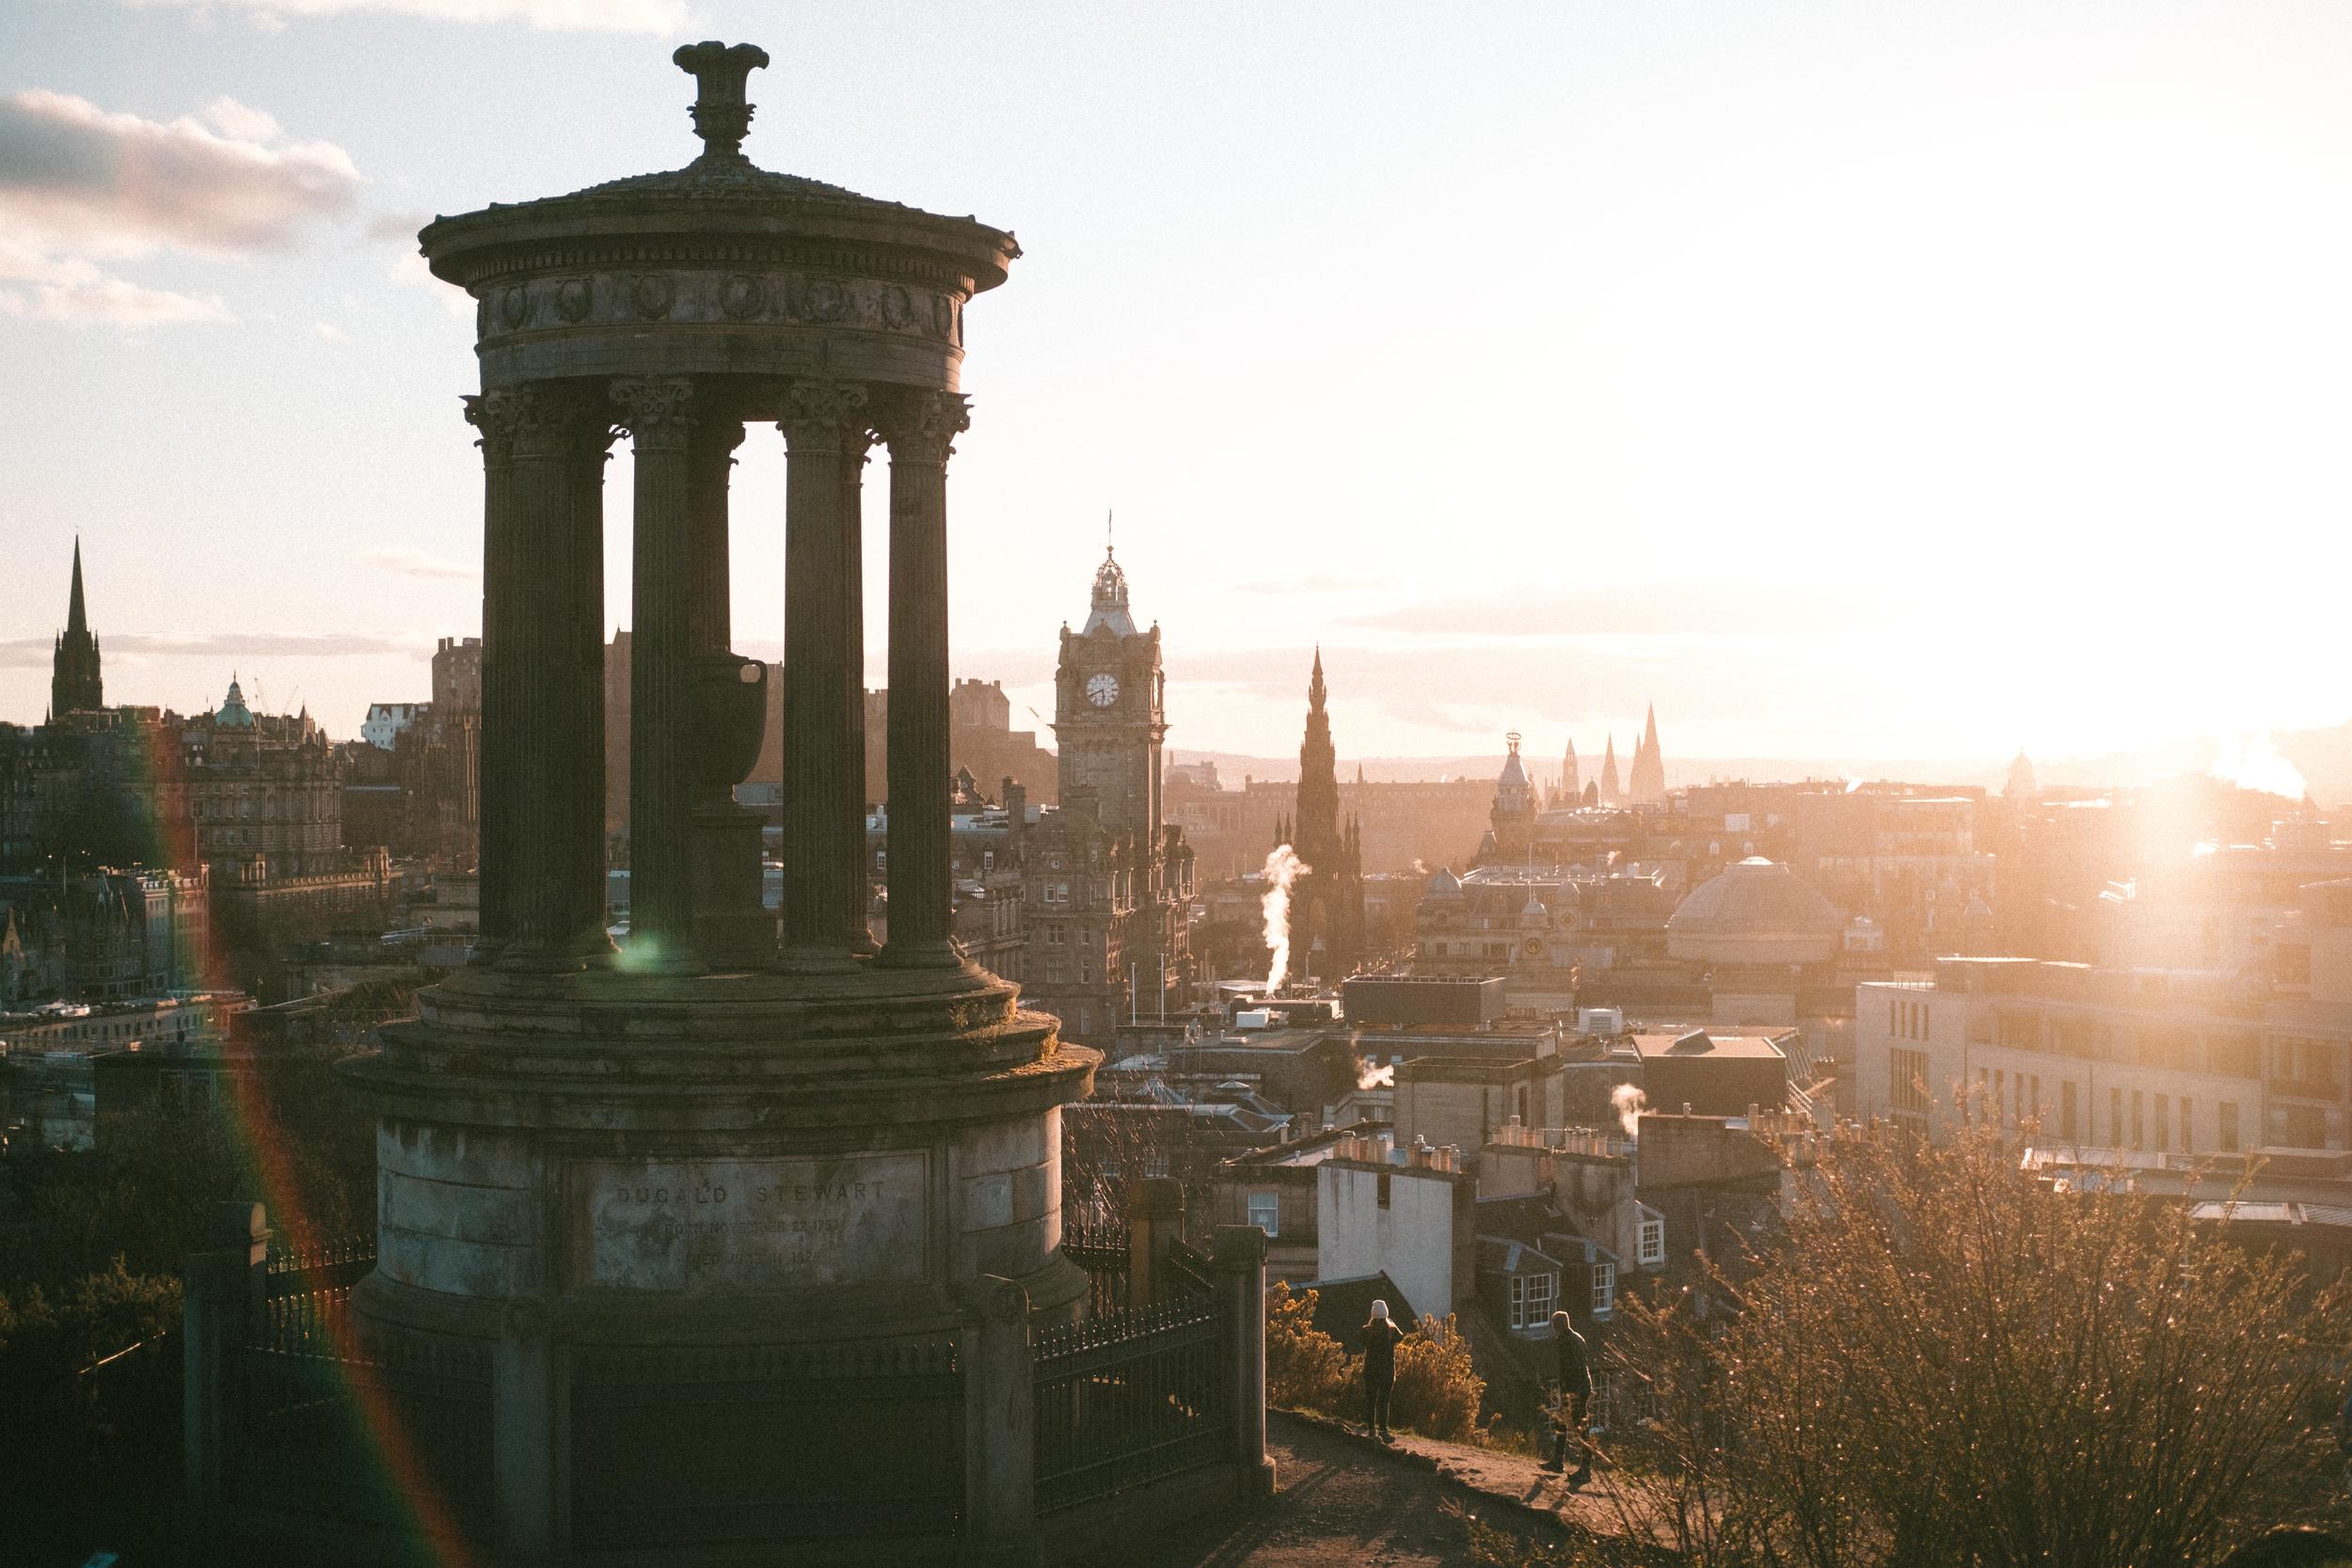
(77, 614)
(74, 683)
(1314, 684)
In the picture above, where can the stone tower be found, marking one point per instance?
(1110, 715)
(1611, 793)
(1327, 901)
(1106, 885)
(74, 684)
(1512, 816)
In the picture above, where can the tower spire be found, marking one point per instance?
(74, 683)
(77, 614)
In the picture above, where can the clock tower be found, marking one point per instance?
(1107, 901)
(1110, 714)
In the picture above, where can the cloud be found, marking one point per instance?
(28, 653)
(241, 122)
(79, 184)
(411, 561)
(609, 15)
(1652, 609)
(328, 330)
(117, 185)
(72, 291)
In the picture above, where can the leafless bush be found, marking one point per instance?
(1947, 1363)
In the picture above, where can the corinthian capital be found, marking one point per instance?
(923, 426)
(823, 415)
(534, 419)
(655, 407)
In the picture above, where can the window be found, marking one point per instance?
(2115, 1119)
(1650, 1247)
(1907, 1080)
(2164, 1123)
(1532, 1299)
(2229, 1127)
(2189, 1141)
(1604, 1288)
(2066, 1110)
(1265, 1212)
(2140, 1136)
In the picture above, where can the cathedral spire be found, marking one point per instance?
(1314, 684)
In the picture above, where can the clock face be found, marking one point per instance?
(1102, 690)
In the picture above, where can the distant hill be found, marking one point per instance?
(2322, 756)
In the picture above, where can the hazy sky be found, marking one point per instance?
(1853, 379)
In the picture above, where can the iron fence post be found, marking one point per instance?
(1000, 1427)
(1240, 1264)
(224, 1297)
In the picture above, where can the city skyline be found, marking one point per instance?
(2074, 504)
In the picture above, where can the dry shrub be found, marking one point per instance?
(1942, 1363)
(1436, 1392)
(1305, 1368)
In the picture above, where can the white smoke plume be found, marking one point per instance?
(2251, 763)
(1282, 868)
(1368, 1076)
(1628, 1101)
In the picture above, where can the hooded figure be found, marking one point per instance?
(1575, 1393)
(1380, 1337)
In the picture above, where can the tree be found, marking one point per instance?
(1943, 1362)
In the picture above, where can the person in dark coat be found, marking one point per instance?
(1380, 1337)
(1574, 1393)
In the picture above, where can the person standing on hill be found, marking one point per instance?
(1380, 1337)
(1575, 1393)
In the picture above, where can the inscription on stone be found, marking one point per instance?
(775, 1225)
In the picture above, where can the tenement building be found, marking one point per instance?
(739, 1240)
(1109, 884)
(2179, 1061)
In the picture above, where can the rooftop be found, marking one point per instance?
(1700, 1043)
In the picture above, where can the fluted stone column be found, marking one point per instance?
(921, 431)
(823, 783)
(659, 413)
(581, 562)
(543, 675)
(733, 928)
(856, 442)
(493, 415)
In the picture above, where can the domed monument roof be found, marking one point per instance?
(1757, 912)
(737, 269)
(1443, 885)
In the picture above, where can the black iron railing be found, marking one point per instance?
(388, 1433)
(1129, 1398)
(1102, 1251)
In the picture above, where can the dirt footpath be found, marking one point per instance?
(1339, 1504)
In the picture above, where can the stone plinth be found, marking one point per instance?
(720, 1237)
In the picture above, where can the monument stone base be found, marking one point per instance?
(706, 1253)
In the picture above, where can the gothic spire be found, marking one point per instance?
(1314, 684)
(77, 614)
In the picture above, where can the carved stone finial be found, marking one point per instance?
(721, 116)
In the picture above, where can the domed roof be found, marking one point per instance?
(1757, 912)
(1443, 883)
(233, 714)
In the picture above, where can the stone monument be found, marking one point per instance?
(704, 1218)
